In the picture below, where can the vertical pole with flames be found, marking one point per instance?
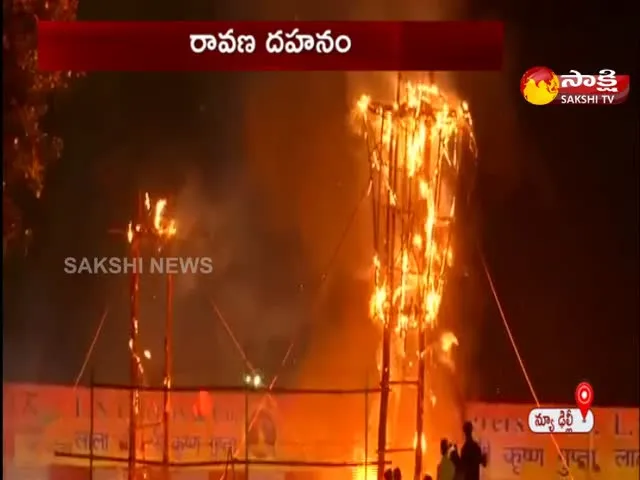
(135, 363)
(416, 148)
(151, 223)
(165, 230)
(168, 368)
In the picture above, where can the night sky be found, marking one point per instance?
(555, 212)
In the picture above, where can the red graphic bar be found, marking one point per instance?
(167, 46)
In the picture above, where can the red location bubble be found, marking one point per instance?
(584, 398)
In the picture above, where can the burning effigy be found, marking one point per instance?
(417, 146)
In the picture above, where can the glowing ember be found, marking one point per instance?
(130, 233)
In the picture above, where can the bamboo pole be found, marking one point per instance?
(168, 368)
(246, 432)
(390, 319)
(91, 422)
(422, 352)
(134, 397)
(366, 430)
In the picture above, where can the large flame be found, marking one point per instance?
(415, 150)
(163, 226)
(419, 137)
(155, 223)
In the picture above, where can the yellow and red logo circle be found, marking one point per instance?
(539, 86)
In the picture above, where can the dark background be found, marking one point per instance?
(555, 211)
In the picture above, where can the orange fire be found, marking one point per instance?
(364, 472)
(421, 133)
(415, 149)
(164, 227)
(159, 225)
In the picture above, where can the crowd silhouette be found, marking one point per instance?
(454, 465)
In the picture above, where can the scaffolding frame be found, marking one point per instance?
(231, 461)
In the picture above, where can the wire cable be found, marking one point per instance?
(331, 262)
(518, 356)
(87, 356)
(232, 336)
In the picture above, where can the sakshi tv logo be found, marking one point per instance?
(541, 86)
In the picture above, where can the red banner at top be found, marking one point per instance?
(251, 46)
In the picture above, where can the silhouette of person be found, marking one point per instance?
(471, 455)
(397, 474)
(427, 477)
(388, 474)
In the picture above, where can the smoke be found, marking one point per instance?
(382, 85)
(25, 355)
(251, 297)
(307, 167)
(208, 228)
